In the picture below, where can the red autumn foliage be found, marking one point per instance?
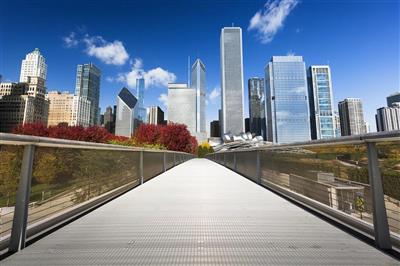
(147, 134)
(175, 137)
(90, 134)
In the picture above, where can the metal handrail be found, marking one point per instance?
(14, 139)
(375, 137)
(381, 232)
(20, 230)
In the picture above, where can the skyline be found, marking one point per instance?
(364, 65)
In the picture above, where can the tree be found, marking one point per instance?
(204, 149)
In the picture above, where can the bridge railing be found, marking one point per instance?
(47, 182)
(352, 180)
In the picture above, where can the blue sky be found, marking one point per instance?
(358, 39)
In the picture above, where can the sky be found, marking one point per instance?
(127, 39)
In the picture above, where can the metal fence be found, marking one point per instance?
(46, 182)
(352, 180)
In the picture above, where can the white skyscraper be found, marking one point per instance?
(33, 65)
(126, 117)
(232, 100)
(198, 83)
(182, 106)
(351, 117)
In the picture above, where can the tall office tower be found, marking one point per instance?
(388, 118)
(322, 118)
(288, 115)
(351, 117)
(198, 83)
(215, 130)
(257, 107)
(17, 107)
(67, 108)
(247, 124)
(394, 98)
(88, 87)
(220, 122)
(155, 115)
(338, 132)
(140, 97)
(34, 65)
(182, 106)
(109, 123)
(232, 88)
(127, 118)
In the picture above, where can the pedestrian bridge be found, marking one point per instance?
(194, 211)
(199, 213)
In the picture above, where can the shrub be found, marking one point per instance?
(204, 149)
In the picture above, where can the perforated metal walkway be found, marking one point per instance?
(199, 213)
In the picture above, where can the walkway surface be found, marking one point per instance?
(199, 213)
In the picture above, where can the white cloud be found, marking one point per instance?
(110, 79)
(269, 20)
(163, 98)
(157, 77)
(70, 40)
(215, 93)
(111, 53)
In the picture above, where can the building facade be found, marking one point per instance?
(288, 115)
(322, 118)
(88, 87)
(34, 65)
(232, 89)
(155, 115)
(109, 123)
(17, 107)
(215, 130)
(140, 87)
(338, 132)
(257, 122)
(388, 118)
(198, 83)
(351, 117)
(68, 109)
(126, 116)
(394, 98)
(182, 105)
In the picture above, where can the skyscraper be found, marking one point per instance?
(338, 132)
(351, 117)
(395, 97)
(109, 123)
(321, 102)
(140, 97)
(34, 65)
(388, 118)
(288, 116)
(198, 83)
(155, 115)
(88, 87)
(215, 131)
(257, 107)
(182, 105)
(232, 80)
(126, 117)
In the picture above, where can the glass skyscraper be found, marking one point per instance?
(88, 86)
(198, 83)
(321, 103)
(288, 116)
(140, 98)
(257, 107)
(232, 80)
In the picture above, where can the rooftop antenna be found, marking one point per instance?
(188, 72)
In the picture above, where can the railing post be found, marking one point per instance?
(234, 161)
(381, 227)
(258, 167)
(18, 231)
(141, 167)
(164, 162)
(174, 160)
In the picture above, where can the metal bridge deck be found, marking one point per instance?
(199, 213)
